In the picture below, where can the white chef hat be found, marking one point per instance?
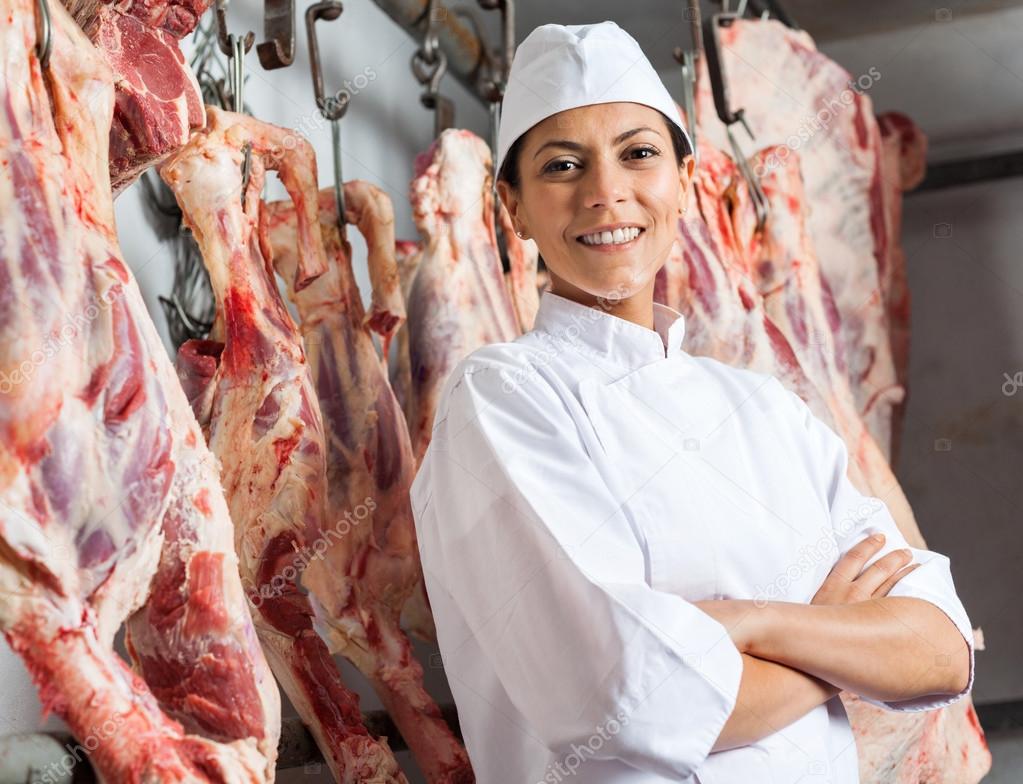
(559, 67)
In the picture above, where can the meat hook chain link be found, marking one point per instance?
(332, 107)
(493, 91)
(429, 64)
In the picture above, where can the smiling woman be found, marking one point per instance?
(578, 153)
(598, 511)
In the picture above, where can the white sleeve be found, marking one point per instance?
(855, 516)
(518, 526)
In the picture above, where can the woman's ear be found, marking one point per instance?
(685, 178)
(506, 193)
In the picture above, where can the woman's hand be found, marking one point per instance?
(849, 582)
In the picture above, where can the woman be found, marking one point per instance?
(646, 566)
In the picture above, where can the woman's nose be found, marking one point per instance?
(605, 183)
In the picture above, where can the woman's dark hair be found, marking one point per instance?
(510, 166)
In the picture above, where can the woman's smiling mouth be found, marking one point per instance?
(608, 240)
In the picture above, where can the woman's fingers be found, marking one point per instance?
(879, 571)
(888, 584)
(850, 565)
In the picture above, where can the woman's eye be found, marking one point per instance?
(550, 166)
(652, 150)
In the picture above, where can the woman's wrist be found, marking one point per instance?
(748, 622)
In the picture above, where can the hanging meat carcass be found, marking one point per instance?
(458, 299)
(110, 496)
(253, 390)
(523, 257)
(712, 277)
(903, 166)
(793, 95)
(781, 262)
(407, 254)
(365, 576)
(158, 101)
(706, 278)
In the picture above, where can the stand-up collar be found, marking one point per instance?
(611, 337)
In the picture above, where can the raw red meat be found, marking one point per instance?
(368, 571)
(407, 254)
(793, 95)
(253, 390)
(110, 498)
(158, 99)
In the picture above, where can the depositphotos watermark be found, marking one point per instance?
(569, 764)
(561, 340)
(75, 324)
(824, 549)
(304, 556)
(821, 120)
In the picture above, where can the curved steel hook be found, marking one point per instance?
(44, 44)
(334, 107)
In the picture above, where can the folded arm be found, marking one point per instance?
(771, 696)
(891, 648)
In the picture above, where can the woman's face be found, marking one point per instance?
(587, 168)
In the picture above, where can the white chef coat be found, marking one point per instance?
(584, 484)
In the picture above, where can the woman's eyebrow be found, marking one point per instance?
(576, 146)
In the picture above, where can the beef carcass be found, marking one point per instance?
(158, 100)
(458, 299)
(793, 95)
(254, 393)
(407, 254)
(706, 278)
(365, 576)
(784, 267)
(416, 615)
(110, 496)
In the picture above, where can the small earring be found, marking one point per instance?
(521, 234)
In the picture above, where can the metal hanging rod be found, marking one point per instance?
(966, 171)
(468, 59)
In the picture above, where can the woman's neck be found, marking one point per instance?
(639, 308)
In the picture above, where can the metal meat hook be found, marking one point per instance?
(429, 64)
(44, 44)
(334, 107)
(279, 28)
(225, 40)
(728, 115)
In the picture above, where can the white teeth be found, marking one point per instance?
(617, 237)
